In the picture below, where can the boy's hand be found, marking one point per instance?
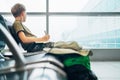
(46, 37)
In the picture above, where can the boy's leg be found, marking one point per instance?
(68, 45)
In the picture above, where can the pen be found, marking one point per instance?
(45, 32)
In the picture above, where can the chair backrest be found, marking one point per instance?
(12, 31)
(2, 43)
(9, 27)
(25, 46)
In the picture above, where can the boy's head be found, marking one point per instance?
(18, 10)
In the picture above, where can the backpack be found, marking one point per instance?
(79, 72)
(77, 67)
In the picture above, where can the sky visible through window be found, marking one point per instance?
(31, 5)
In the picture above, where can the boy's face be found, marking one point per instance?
(24, 16)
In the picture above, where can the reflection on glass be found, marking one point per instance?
(90, 32)
(84, 5)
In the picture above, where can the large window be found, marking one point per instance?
(92, 23)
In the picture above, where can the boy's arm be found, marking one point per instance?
(26, 39)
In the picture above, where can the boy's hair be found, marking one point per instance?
(17, 9)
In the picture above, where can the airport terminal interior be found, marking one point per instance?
(93, 24)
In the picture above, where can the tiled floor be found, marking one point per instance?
(106, 70)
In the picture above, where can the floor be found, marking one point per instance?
(106, 70)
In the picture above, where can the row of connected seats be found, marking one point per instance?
(23, 65)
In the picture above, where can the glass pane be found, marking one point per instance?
(31, 6)
(84, 5)
(67, 5)
(90, 32)
(37, 24)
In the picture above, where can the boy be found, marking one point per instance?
(25, 36)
